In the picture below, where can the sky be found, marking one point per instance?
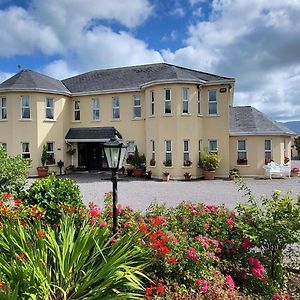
(257, 42)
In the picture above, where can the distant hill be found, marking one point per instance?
(293, 125)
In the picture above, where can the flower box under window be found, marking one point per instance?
(242, 161)
(168, 163)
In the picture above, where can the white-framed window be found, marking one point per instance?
(199, 150)
(130, 147)
(137, 108)
(168, 153)
(49, 103)
(168, 101)
(213, 146)
(3, 108)
(76, 109)
(185, 100)
(116, 108)
(3, 145)
(152, 142)
(199, 102)
(242, 152)
(152, 105)
(25, 148)
(268, 151)
(50, 160)
(25, 107)
(212, 102)
(186, 151)
(96, 109)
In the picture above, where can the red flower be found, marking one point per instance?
(143, 227)
(7, 196)
(160, 288)
(206, 226)
(94, 212)
(103, 224)
(276, 297)
(171, 259)
(41, 234)
(230, 222)
(18, 201)
(149, 291)
(246, 244)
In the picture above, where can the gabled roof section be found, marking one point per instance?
(33, 81)
(246, 120)
(135, 77)
(92, 134)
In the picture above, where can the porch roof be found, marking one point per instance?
(92, 134)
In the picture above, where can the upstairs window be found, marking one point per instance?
(212, 102)
(213, 146)
(185, 100)
(168, 103)
(76, 110)
(152, 108)
(116, 108)
(3, 108)
(199, 102)
(268, 151)
(242, 152)
(25, 150)
(25, 107)
(96, 109)
(137, 109)
(50, 154)
(49, 108)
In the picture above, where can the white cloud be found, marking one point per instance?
(257, 42)
(59, 69)
(5, 75)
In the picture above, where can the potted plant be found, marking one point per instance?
(165, 176)
(148, 174)
(187, 176)
(43, 170)
(168, 163)
(187, 163)
(242, 161)
(209, 163)
(138, 162)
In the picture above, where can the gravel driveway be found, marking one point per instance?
(139, 193)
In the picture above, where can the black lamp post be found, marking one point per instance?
(115, 151)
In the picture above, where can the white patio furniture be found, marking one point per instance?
(276, 169)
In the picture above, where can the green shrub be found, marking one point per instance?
(51, 193)
(13, 173)
(209, 161)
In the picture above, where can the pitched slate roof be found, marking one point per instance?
(92, 134)
(246, 120)
(30, 80)
(135, 77)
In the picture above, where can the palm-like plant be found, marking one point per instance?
(68, 263)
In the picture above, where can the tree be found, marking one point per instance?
(297, 145)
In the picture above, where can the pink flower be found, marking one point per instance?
(175, 240)
(246, 244)
(192, 254)
(103, 224)
(276, 297)
(230, 282)
(204, 288)
(218, 250)
(94, 212)
(206, 226)
(230, 222)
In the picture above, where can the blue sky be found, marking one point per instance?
(257, 42)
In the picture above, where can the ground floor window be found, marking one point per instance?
(153, 156)
(199, 151)
(186, 153)
(130, 151)
(168, 153)
(242, 152)
(268, 151)
(25, 150)
(4, 145)
(50, 154)
(213, 146)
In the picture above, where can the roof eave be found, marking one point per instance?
(110, 91)
(86, 140)
(242, 133)
(10, 90)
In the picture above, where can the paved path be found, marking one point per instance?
(139, 193)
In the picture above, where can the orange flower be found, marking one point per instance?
(21, 256)
(41, 234)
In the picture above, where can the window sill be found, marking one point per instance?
(167, 115)
(169, 167)
(96, 121)
(115, 120)
(186, 114)
(137, 119)
(199, 115)
(186, 167)
(152, 116)
(242, 165)
(215, 115)
(3, 120)
(76, 121)
(25, 120)
(152, 166)
(49, 120)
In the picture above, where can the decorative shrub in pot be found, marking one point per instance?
(209, 163)
(139, 163)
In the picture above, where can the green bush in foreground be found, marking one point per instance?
(51, 193)
(13, 173)
(66, 262)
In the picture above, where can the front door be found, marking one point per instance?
(94, 156)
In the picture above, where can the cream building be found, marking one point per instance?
(170, 113)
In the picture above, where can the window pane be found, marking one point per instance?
(25, 101)
(242, 145)
(242, 155)
(168, 145)
(26, 113)
(77, 115)
(115, 102)
(185, 145)
(213, 145)
(168, 107)
(137, 100)
(167, 94)
(212, 96)
(168, 156)
(4, 113)
(185, 108)
(212, 108)
(267, 144)
(96, 103)
(116, 113)
(49, 113)
(137, 112)
(96, 115)
(77, 103)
